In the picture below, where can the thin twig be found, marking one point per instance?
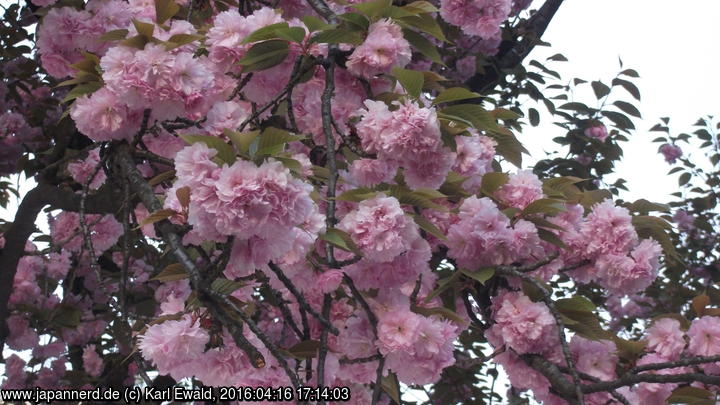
(301, 299)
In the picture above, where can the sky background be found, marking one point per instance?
(673, 46)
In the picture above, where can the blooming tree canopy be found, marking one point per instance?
(331, 194)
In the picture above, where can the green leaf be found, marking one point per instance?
(510, 148)
(631, 88)
(265, 55)
(305, 349)
(358, 20)
(656, 228)
(173, 272)
(627, 108)
(179, 40)
(225, 152)
(114, 35)
(243, 140)
(443, 285)
(534, 292)
(601, 90)
(628, 349)
(576, 303)
(143, 28)
(357, 195)
(454, 94)
(423, 45)
(414, 198)
(548, 236)
(492, 181)
(692, 396)
(292, 34)
(224, 286)
(138, 42)
(643, 205)
(67, 316)
(391, 386)
(534, 117)
(341, 239)
(157, 216)
(338, 36)
(373, 9)
(273, 140)
(482, 275)
(411, 80)
(440, 311)
(428, 226)
(81, 90)
(547, 206)
(315, 24)
(265, 33)
(420, 7)
(165, 10)
(425, 23)
(684, 179)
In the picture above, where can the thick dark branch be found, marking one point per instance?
(513, 53)
(632, 379)
(679, 363)
(322, 355)
(24, 225)
(547, 299)
(557, 379)
(301, 299)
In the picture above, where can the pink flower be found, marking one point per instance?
(704, 334)
(227, 115)
(684, 220)
(92, 362)
(380, 228)
(522, 325)
(371, 172)
(102, 117)
(476, 17)
(596, 358)
(384, 48)
(666, 339)
(627, 275)
(597, 131)
(398, 331)
(474, 155)
(670, 152)
(521, 190)
(173, 344)
(82, 170)
(22, 337)
(329, 281)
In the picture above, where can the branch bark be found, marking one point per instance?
(512, 53)
(24, 225)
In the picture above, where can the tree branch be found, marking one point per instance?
(512, 53)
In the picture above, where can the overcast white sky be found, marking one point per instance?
(674, 47)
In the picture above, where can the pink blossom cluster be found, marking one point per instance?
(606, 237)
(66, 33)
(410, 136)
(252, 203)
(82, 171)
(477, 17)
(671, 152)
(14, 133)
(384, 48)
(393, 251)
(484, 236)
(597, 131)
